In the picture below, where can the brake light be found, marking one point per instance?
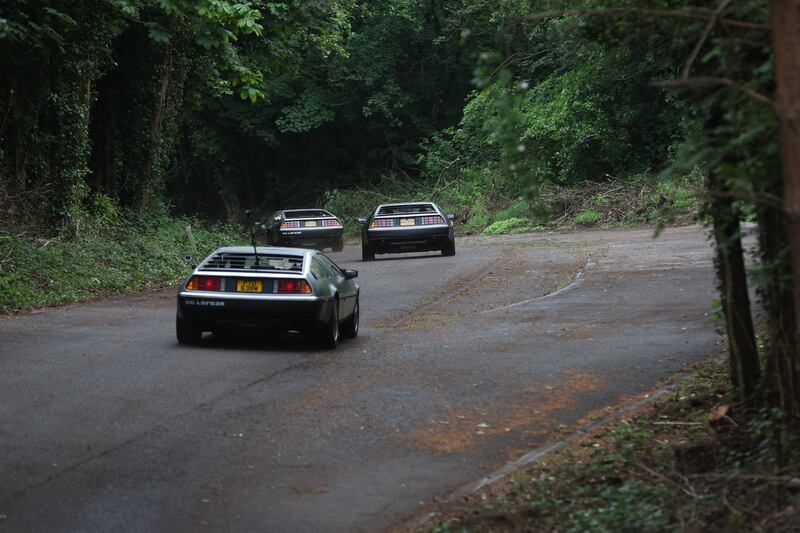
(432, 220)
(382, 223)
(330, 223)
(292, 286)
(205, 283)
(290, 224)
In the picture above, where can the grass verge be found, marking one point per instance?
(688, 462)
(101, 255)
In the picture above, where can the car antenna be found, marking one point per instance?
(252, 227)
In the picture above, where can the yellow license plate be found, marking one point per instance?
(407, 222)
(311, 223)
(248, 285)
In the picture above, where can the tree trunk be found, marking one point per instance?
(745, 372)
(101, 132)
(156, 122)
(785, 22)
(781, 374)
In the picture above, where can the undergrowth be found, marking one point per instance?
(480, 207)
(109, 251)
(692, 462)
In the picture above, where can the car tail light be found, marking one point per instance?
(292, 286)
(382, 223)
(290, 224)
(431, 220)
(205, 283)
(330, 223)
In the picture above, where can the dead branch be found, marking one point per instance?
(788, 480)
(712, 22)
(674, 13)
(766, 199)
(710, 81)
(688, 491)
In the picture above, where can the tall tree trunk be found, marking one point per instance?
(785, 22)
(745, 372)
(776, 295)
(156, 122)
(101, 132)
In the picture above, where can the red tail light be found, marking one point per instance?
(432, 220)
(205, 283)
(292, 286)
(382, 223)
(290, 224)
(330, 223)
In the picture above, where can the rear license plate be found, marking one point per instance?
(311, 223)
(407, 221)
(248, 285)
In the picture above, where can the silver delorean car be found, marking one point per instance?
(272, 290)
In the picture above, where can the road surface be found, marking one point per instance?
(463, 364)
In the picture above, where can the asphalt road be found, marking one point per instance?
(463, 364)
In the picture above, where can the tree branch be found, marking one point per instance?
(678, 13)
(702, 40)
(710, 81)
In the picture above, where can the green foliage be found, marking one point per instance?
(509, 225)
(587, 218)
(111, 251)
(518, 209)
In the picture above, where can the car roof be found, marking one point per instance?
(307, 209)
(400, 204)
(266, 250)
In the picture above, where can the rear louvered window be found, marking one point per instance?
(245, 261)
(413, 209)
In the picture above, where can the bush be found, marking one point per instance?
(510, 225)
(586, 218)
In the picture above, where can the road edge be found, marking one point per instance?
(534, 456)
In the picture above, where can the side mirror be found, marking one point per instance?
(350, 273)
(362, 221)
(451, 216)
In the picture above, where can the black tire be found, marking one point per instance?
(449, 249)
(187, 333)
(271, 239)
(329, 334)
(337, 246)
(367, 253)
(350, 326)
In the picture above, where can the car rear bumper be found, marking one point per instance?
(391, 240)
(297, 313)
(311, 235)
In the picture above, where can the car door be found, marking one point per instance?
(348, 290)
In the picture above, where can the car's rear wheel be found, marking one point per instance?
(350, 326)
(367, 252)
(186, 332)
(338, 246)
(449, 248)
(329, 338)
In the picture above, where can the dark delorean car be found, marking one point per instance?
(304, 227)
(406, 227)
(274, 290)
